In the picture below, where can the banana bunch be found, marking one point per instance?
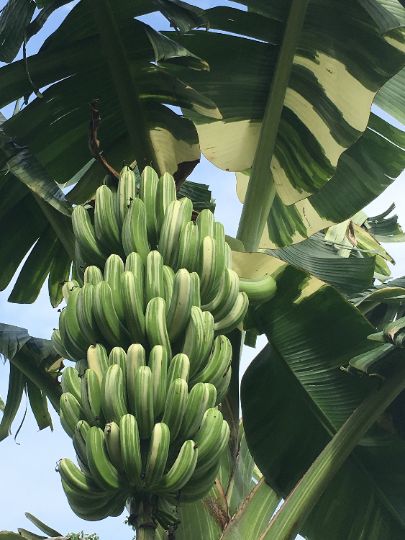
(145, 323)
(149, 217)
(139, 432)
(133, 304)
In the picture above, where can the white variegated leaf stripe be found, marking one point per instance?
(368, 167)
(346, 52)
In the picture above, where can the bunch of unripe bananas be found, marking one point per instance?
(146, 327)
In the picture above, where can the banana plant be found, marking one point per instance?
(297, 130)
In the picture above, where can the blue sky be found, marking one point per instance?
(29, 482)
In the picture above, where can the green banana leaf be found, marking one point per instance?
(295, 396)
(34, 367)
(382, 304)
(17, 22)
(55, 129)
(239, 502)
(43, 527)
(346, 52)
(29, 197)
(385, 228)
(199, 521)
(14, 19)
(253, 515)
(364, 171)
(314, 255)
(391, 97)
(63, 110)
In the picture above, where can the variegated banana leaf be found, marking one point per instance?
(346, 52)
(52, 131)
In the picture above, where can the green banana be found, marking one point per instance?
(202, 397)
(106, 225)
(179, 368)
(158, 365)
(226, 296)
(119, 356)
(195, 289)
(93, 275)
(84, 233)
(113, 270)
(177, 214)
(198, 488)
(258, 290)
(102, 470)
(134, 264)
(70, 412)
(134, 231)
(208, 335)
(68, 287)
(85, 314)
(175, 406)
(195, 345)
(70, 382)
(180, 305)
(59, 346)
(211, 268)
(205, 223)
(235, 315)
(157, 455)
(79, 443)
(155, 324)
(154, 276)
(131, 450)
(125, 195)
(97, 360)
(223, 386)
(113, 394)
(166, 193)
(76, 479)
(182, 469)
(135, 359)
(75, 337)
(132, 295)
(148, 193)
(189, 247)
(72, 352)
(95, 507)
(208, 435)
(144, 401)
(113, 444)
(228, 256)
(219, 232)
(213, 457)
(106, 316)
(91, 398)
(168, 283)
(218, 363)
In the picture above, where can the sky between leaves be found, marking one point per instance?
(27, 464)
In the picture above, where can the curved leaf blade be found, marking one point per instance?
(253, 515)
(295, 397)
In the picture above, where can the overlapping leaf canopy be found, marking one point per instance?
(34, 366)
(295, 396)
(345, 54)
(331, 159)
(45, 144)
